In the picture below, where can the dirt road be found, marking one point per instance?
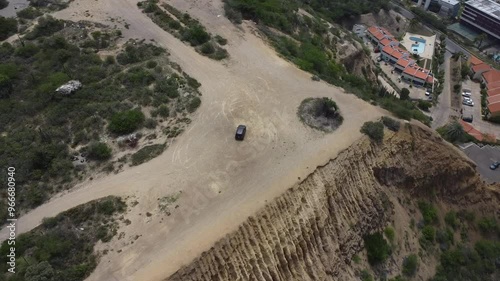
(222, 181)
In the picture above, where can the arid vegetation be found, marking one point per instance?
(43, 130)
(184, 27)
(62, 248)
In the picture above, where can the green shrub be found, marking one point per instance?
(424, 105)
(47, 25)
(151, 64)
(451, 219)
(377, 248)
(99, 151)
(147, 153)
(8, 27)
(374, 130)
(366, 276)
(193, 104)
(196, 35)
(429, 233)
(207, 48)
(487, 225)
(193, 82)
(150, 123)
(391, 124)
(219, 54)
(221, 40)
(163, 111)
(429, 212)
(126, 122)
(410, 265)
(389, 233)
(29, 13)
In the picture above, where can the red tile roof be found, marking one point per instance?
(493, 92)
(403, 62)
(385, 31)
(421, 75)
(494, 107)
(493, 86)
(385, 42)
(493, 99)
(480, 67)
(429, 79)
(396, 54)
(475, 61)
(492, 76)
(410, 71)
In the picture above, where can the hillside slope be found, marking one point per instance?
(314, 229)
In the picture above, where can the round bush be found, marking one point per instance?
(320, 113)
(99, 151)
(126, 122)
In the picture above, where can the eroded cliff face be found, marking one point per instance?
(312, 231)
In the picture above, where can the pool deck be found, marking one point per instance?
(429, 44)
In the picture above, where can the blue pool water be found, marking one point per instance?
(419, 45)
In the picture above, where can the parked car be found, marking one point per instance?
(427, 93)
(467, 101)
(494, 165)
(240, 132)
(468, 118)
(466, 93)
(429, 98)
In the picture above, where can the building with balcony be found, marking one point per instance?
(483, 15)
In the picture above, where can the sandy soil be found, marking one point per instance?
(222, 181)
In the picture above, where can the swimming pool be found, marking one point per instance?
(419, 45)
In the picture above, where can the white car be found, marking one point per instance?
(468, 102)
(427, 93)
(466, 93)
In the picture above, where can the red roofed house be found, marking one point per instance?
(474, 61)
(392, 53)
(478, 69)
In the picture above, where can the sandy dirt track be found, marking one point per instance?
(222, 181)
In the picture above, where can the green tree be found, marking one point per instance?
(405, 94)
(377, 248)
(455, 132)
(126, 122)
(413, 24)
(99, 151)
(410, 265)
(480, 38)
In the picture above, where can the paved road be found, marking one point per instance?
(441, 112)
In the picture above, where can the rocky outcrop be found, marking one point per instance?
(312, 231)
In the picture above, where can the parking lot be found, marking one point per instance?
(483, 126)
(484, 157)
